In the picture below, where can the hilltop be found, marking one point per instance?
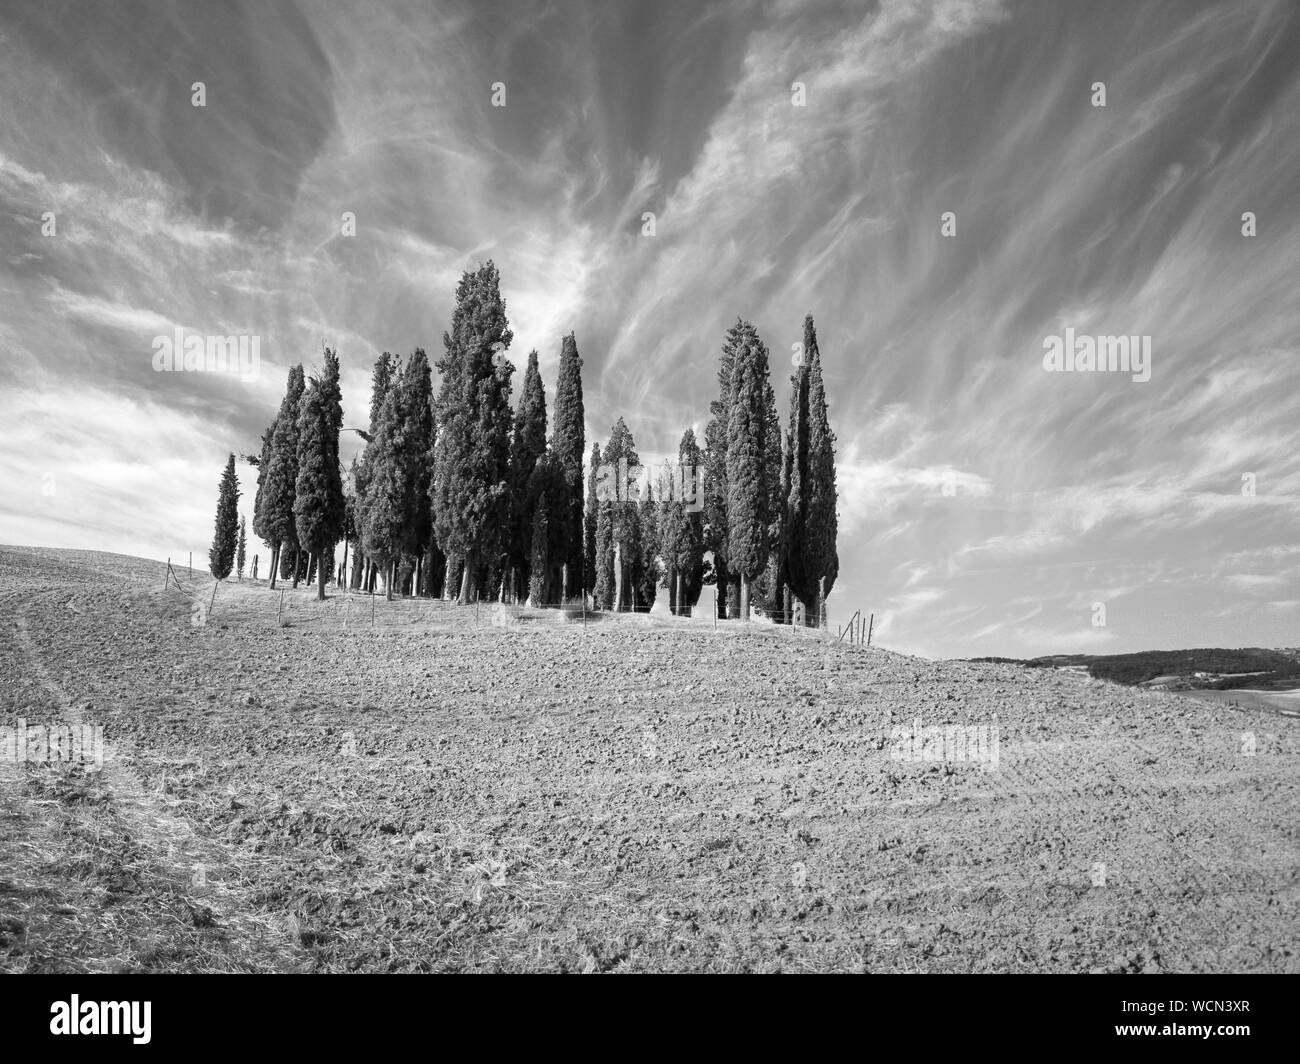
(441, 789)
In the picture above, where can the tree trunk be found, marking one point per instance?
(618, 577)
(744, 598)
(388, 582)
(275, 565)
(320, 577)
(465, 582)
(297, 565)
(683, 610)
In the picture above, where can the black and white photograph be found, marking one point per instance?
(650, 487)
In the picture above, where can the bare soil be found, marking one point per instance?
(451, 789)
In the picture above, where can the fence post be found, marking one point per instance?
(870, 627)
(280, 611)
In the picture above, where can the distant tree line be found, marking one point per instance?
(457, 495)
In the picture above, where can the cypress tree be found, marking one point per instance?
(470, 485)
(646, 577)
(620, 465)
(538, 557)
(526, 449)
(221, 558)
(783, 547)
(681, 536)
(810, 533)
(388, 526)
(821, 525)
(281, 478)
(319, 514)
(381, 377)
(241, 550)
(567, 443)
(264, 459)
(747, 475)
(716, 538)
(772, 578)
(589, 523)
(418, 442)
(604, 585)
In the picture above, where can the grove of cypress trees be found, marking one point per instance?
(748, 488)
(319, 513)
(221, 558)
(568, 440)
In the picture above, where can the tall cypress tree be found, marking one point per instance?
(681, 536)
(264, 460)
(418, 441)
(748, 489)
(381, 378)
(526, 448)
(221, 558)
(620, 463)
(645, 581)
(821, 525)
(470, 484)
(771, 580)
(281, 480)
(716, 538)
(240, 550)
(589, 523)
(387, 525)
(318, 506)
(810, 553)
(567, 443)
(547, 491)
(604, 585)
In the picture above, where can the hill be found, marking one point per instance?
(293, 785)
(1250, 668)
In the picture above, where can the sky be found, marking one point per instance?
(797, 157)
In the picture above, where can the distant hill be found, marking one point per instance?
(1251, 668)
